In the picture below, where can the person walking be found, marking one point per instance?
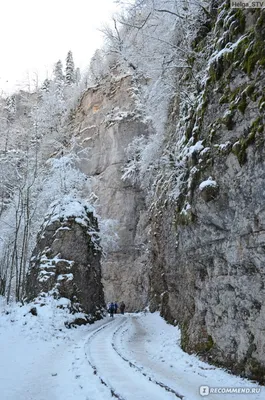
(122, 307)
(115, 307)
(111, 309)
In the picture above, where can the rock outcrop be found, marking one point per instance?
(105, 122)
(208, 244)
(66, 262)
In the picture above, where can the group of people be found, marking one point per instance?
(113, 308)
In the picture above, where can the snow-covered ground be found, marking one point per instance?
(130, 357)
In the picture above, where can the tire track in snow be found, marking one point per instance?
(122, 379)
(141, 369)
(93, 366)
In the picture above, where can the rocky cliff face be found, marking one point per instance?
(208, 244)
(66, 263)
(105, 123)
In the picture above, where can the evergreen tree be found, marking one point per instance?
(46, 85)
(70, 74)
(58, 73)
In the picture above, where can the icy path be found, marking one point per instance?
(151, 347)
(132, 357)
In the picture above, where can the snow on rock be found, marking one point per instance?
(68, 277)
(205, 151)
(69, 207)
(116, 115)
(197, 147)
(45, 275)
(230, 47)
(186, 208)
(224, 146)
(207, 183)
(209, 189)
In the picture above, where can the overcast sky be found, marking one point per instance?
(37, 33)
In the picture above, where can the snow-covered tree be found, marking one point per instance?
(45, 86)
(98, 67)
(11, 107)
(48, 112)
(152, 40)
(58, 72)
(31, 193)
(20, 169)
(58, 82)
(70, 74)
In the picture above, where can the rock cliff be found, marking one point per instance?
(66, 261)
(208, 243)
(105, 122)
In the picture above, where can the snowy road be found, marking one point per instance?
(130, 357)
(124, 382)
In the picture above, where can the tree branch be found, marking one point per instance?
(169, 12)
(136, 26)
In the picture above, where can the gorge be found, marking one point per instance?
(168, 140)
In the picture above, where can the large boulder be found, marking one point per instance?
(66, 259)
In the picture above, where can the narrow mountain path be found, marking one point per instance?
(136, 358)
(124, 382)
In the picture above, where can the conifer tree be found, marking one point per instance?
(58, 72)
(46, 85)
(70, 74)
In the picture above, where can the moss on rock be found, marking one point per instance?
(256, 371)
(205, 345)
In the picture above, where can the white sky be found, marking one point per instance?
(37, 33)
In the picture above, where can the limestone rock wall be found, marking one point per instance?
(105, 122)
(208, 245)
